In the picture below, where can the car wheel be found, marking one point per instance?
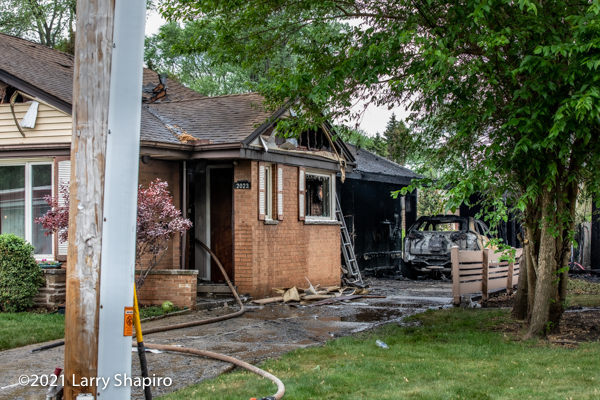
(408, 271)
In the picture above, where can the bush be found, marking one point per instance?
(20, 276)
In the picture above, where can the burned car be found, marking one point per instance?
(429, 241)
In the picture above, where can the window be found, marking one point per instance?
(23, 186)
(439, 225)
(265, 191)
(319, 189)
(269, 192)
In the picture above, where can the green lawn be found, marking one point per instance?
(22, 329)
(582, 293)
(454, 354)
(583, 300)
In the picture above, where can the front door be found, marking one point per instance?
(221, 223)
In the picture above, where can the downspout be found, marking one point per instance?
(184, 211)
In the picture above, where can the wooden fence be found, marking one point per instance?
(481, 271)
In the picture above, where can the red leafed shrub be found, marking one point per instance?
(56, 220)
(157, 220)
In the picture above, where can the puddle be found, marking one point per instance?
(387, 304)
(374, 315)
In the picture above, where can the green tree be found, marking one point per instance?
(183, 51)
(399, 141)
(503, 93)
(362, 140)
(48, 22)
(197, 71)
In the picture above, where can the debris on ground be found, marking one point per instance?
(314, 295)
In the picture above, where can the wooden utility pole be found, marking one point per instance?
(91, 83)
(103, 195)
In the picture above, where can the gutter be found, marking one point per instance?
(34, 91)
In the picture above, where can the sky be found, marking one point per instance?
(374, 120)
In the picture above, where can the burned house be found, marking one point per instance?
(376, 221)
(265, 205)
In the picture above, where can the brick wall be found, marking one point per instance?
(171, 173)
(54, 289)
(267, 256)
(177, 286)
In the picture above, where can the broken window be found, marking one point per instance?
(440, 226)
(318, 195)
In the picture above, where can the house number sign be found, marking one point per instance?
(242, 185)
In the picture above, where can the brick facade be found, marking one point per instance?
(54, 289)
(177, 286)
(282, 254)
(169, 171)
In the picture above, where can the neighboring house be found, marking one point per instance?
(264, 205)
(375, 220)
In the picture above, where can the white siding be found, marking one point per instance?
(51, 126)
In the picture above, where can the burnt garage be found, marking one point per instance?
(375, 220)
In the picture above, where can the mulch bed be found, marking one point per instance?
(499, 301)
(575, 325)
(583, 326)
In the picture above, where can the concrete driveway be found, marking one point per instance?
(263, 332)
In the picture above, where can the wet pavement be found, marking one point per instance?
(264, 331)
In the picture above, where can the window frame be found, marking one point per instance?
(269, 192)
(332, 192)
(28, 163)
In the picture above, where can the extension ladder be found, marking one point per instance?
(352, 273)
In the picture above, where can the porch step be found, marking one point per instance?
(214, 289)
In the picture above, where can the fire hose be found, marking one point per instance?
(140, 343)
(141, 346)
(241, 311)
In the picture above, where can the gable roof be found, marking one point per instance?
(220, 119)
(372, 167)
(48, 74)
(232, 119)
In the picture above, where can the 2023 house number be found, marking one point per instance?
(242, 185)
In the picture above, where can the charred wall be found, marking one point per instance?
(374, 221)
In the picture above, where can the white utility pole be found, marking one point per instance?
(107, 94)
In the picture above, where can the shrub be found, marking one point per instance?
(157, 220)
(20, 276)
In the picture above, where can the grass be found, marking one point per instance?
(583, 293)
(578, 286)
(454, 354)
(22, 329)
(583, 300)
(153, 311)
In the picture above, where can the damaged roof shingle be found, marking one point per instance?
(371, 166)
(182, 114)
(220, 119)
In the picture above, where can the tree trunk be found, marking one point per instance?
(546, 266)
(531, 276)
(520, 309)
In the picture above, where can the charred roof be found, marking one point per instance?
(372, 167)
